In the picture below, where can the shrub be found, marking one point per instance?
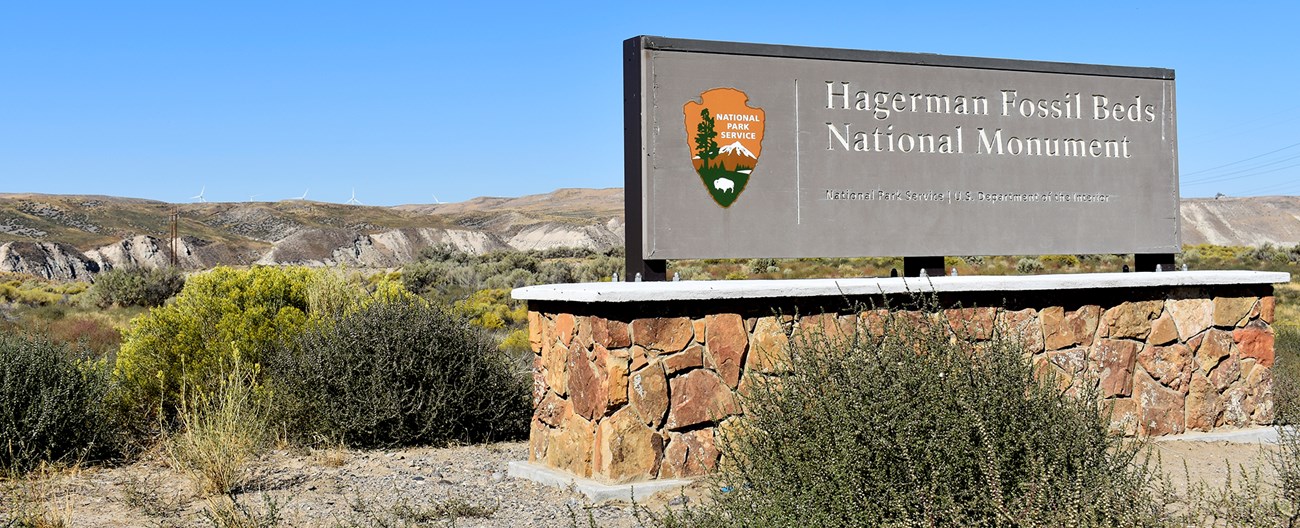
(493, 309)
(94, 333)
(1026, 266)
(185, 343)
(1286, 374)
(51, 403)
(921, 427)
(398, 372)
(1060, 261)
(136, 286)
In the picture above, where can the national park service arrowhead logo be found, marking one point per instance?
(725, 137)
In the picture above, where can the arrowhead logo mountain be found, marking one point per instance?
(725, 137)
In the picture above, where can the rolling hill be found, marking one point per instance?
(73, 237)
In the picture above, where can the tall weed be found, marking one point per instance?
(221, 433)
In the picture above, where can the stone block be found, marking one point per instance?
(699, 396)
(664, 335)
(583, 337)
(824, 325)
(639, 356)
(692, 357)
(1123, 416)
(615, 371)
(1115, 360)
(1063, 329)
(539, 380)
(564, 325)
(570, 447)
(1163, 330)
(535, 331)
(769, 351)
(610, 334)
(873, 321)
(1228, 311)
(626, 449)
(727, 342)
(555, 358)
(1238, 407)
(1191, 316)
(1170, 365)
(539, 436)
(1071, 360)
(1204, 409)
(1216, 345)
(648, 394)
(1132, 319)
(1267, 305)
(976, 323)
(1226, 373)
(1046, 371)
(1259, 386)
(690, 454)
(552, 410)
(1025, 326)
(1160, 409)
(587, 390)
(1255, 341)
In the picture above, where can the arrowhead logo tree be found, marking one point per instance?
(723, 117)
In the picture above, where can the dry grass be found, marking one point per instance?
(144, 494)
(221, 433)
(405, 511)
(1287, 311)
(333, 456)
(32, 501)
(226, 511)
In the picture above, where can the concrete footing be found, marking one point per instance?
(595, 491)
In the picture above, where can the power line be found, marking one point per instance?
(1275, 186)
(1293, 145)
(1230, 175)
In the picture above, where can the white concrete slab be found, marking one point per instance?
(597, 492)
(616, 292)
(1247, 435)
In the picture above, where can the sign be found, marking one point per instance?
(892, 154)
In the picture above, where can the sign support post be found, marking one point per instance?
(633, 169)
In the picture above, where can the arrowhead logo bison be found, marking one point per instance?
(725, 137)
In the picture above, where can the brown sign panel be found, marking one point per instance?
(745, 150)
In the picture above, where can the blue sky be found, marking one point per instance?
(406, 100)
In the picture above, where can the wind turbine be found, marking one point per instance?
(302, 198)
(436, 200)
(353, 200)
(251, 196)
(200, 197)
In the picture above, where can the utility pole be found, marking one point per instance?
(176, 214)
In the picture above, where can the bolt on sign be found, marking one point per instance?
(751, 150)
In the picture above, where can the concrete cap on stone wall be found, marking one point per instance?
(627, 292)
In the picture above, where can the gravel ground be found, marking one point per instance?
(328, 488)
(461, 486)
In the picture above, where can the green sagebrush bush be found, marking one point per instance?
(136, 286)
(921, 427)
(398, 372)
(448, 273)
(51, 403)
